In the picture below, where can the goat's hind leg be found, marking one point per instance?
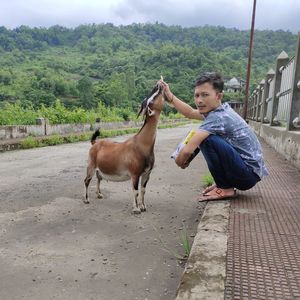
(99, 178)
(89, 175)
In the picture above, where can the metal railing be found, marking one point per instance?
(285, 91)
(276, 100)
(268, 115)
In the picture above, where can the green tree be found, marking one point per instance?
(86, 92)
(117, 91)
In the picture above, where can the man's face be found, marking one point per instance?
(207, 98)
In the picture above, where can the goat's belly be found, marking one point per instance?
(114, 177)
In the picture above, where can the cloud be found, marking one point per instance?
(185, 13)
(270, 14)
(280, 14)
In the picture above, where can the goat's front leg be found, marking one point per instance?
(99, 178)
(135, 188)
(144, 181)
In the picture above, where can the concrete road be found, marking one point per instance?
(53, 246)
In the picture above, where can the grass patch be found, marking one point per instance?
(30, 142)
(53, 140)
(105, 133)
(74, 138)
(207, 180)
(162, 126)
(184, 242)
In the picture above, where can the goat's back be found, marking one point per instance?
(112, 157)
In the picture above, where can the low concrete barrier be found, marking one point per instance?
(44, 128)
(205, 270)
(23, 131)
(12, 136)
(287, 143)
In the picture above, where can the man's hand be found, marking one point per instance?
(186, 152)
(166, 90)
(181, 164)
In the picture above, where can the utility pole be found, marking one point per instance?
(249, 62)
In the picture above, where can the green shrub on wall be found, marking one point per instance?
(57, 113)
(15, 114)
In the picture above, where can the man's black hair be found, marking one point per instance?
(215, 79)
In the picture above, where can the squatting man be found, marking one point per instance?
(230, 147)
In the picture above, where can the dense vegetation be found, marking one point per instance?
(57, 113)
(117, 66)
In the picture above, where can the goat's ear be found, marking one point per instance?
(150, 112)
(143, 107)
(140, 111)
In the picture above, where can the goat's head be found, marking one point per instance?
(154, 102)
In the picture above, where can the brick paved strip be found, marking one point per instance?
(263, 255)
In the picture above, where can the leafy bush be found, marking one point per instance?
(30, 142)
(59, 114)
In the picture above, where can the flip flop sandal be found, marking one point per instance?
(208, 189)
(218, 194)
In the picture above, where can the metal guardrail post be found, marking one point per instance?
(282, 60)
(260, 100)
(293, 118)
(256, 97)
(250, 108)
(253, 108)
(269, 77)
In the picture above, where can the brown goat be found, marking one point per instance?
(132, 159)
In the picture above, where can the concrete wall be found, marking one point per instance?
(23, 131)
(67, 128)
(20, 131)
(284, 142)
(287, 143)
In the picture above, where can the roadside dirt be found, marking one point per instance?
(53, 246)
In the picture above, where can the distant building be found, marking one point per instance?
(235, 85)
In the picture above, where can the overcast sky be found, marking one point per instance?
(270, 14)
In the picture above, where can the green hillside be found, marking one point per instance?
(118, 65)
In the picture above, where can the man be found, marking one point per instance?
(229, 146)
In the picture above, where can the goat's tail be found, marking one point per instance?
(94, 136)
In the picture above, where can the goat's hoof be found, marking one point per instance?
(100, 196)
(136, 210)
(86, 201)
(143, 208)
